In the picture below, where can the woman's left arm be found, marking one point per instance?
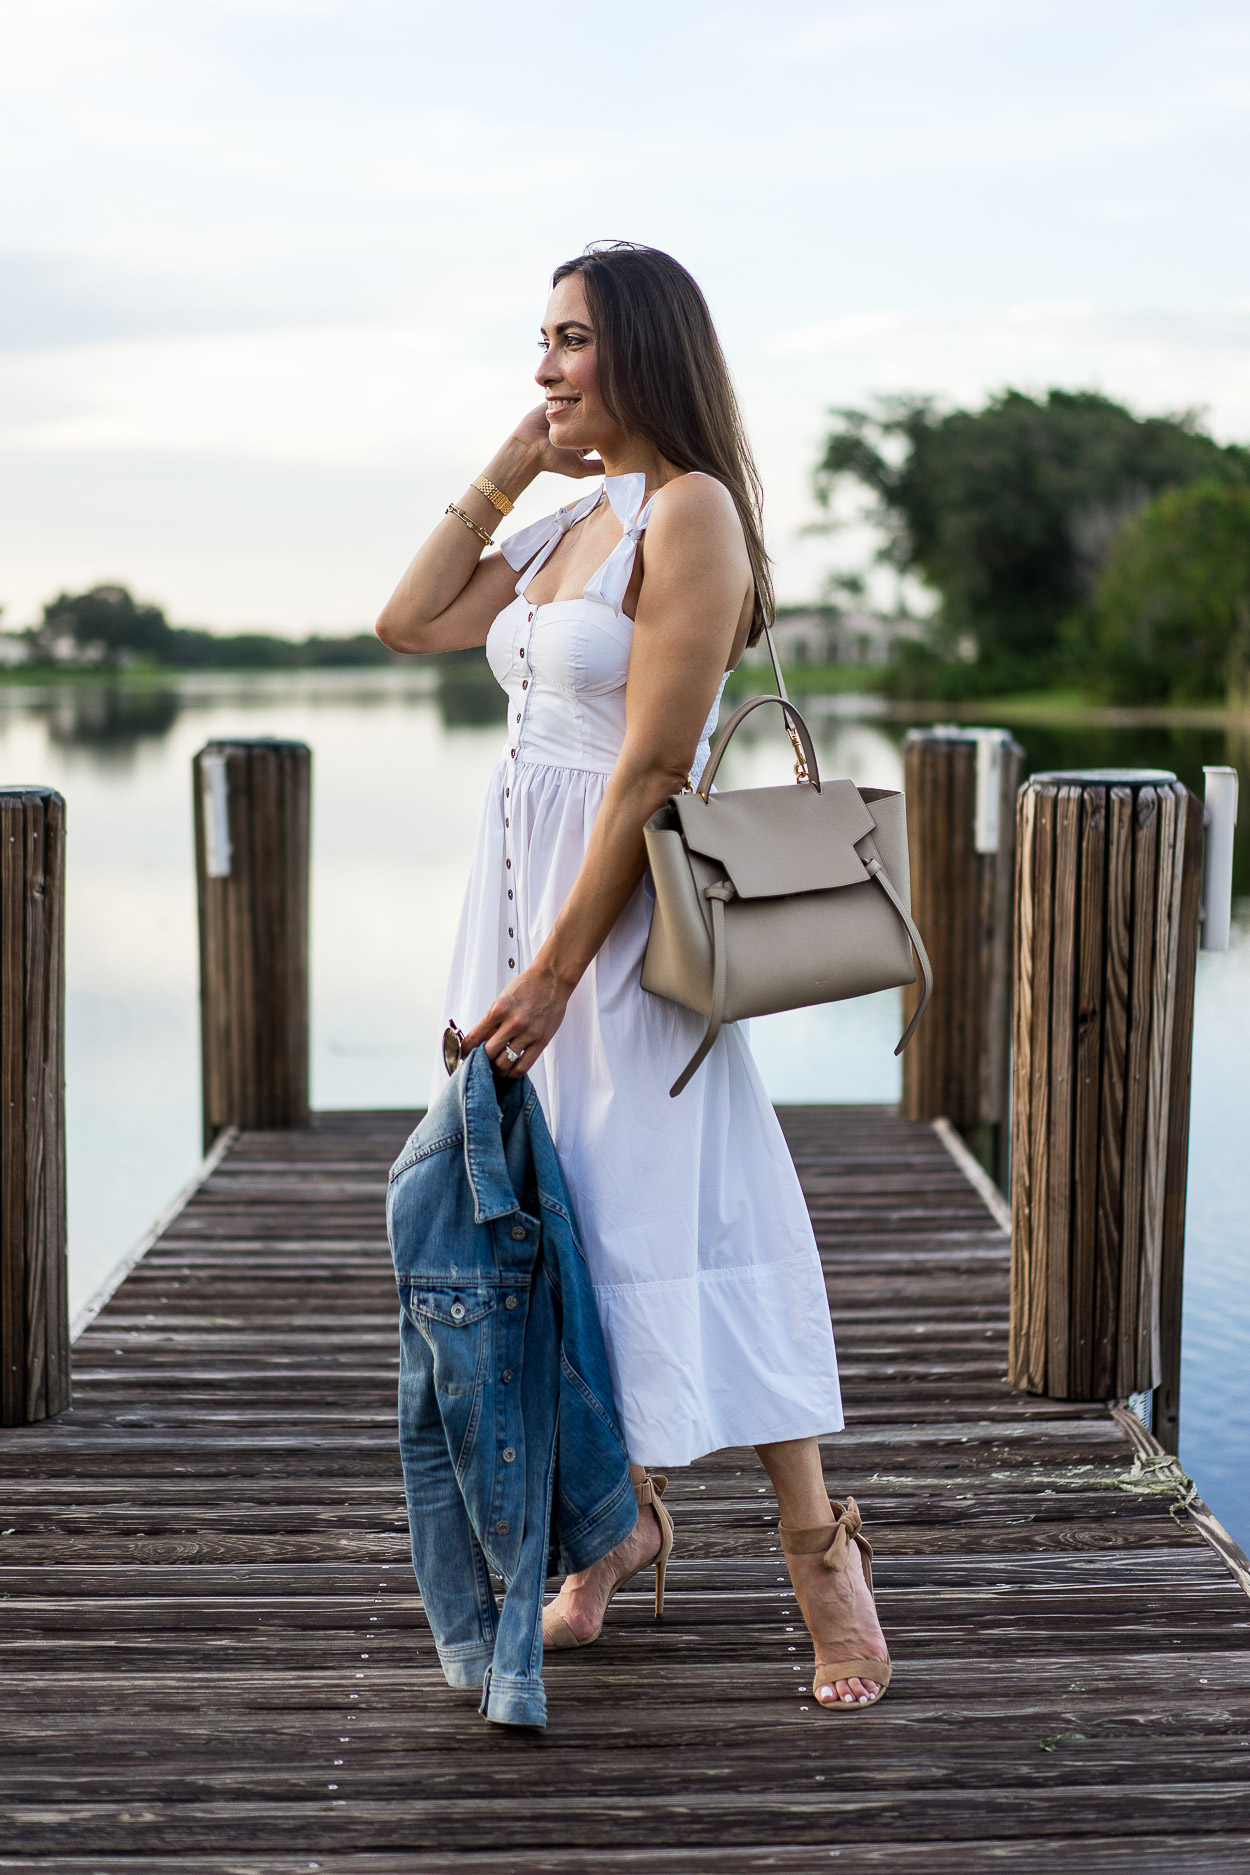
(696, 585)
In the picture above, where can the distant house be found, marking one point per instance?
(830, 634)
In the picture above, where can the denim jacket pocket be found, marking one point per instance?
(455, 1322)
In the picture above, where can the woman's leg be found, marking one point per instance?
(584, 1597)
(844, 1619)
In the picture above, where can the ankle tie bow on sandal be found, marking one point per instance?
(832, 1542)
(556, 1631)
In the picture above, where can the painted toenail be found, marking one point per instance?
(848, 1699)
(863, 1699)
(824, 1692)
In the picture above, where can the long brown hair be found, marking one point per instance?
(662, 375)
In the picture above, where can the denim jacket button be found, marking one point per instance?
(509, 1302)
(508, 1454)
(502, 1527)
(506, 1375)
(518, 1233)
(457, 1311)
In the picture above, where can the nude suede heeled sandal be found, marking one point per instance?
(832, 1542)
(556, 1631)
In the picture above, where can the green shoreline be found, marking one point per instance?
(811, 680)
(1055, 706)
(1061, 707)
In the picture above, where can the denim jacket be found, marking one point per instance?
(507, 1426)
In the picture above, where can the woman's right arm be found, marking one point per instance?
(449, 596)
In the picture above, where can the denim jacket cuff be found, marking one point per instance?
(465, 1668)
(511, 1699)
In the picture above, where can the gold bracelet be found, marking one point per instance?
(495, 496)
(469, 522)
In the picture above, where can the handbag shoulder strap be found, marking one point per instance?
(782, 692)
(882, 877)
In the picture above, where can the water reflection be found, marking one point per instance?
(400, 761)
(468, 696)
(112, 719)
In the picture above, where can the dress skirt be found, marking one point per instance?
(700, 1248)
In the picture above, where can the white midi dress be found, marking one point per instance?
(700, 1249)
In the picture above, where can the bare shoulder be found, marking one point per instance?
(697, 572)
(695, 537)
(699, 503)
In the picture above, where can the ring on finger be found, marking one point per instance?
(513, 1054)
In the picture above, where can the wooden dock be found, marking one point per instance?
(213, 1657)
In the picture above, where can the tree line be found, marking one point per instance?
(108, 628)
(1066, 540)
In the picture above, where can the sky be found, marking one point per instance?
(271, 271)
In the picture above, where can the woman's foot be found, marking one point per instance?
(584, 1597)
(841, 1618)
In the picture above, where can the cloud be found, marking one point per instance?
(1159, 358)
(877, 26)
(337, 395)
(271, 267)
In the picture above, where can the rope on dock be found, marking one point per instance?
(1151, 1460)
(1160, 1477)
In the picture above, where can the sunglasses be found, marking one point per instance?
(453, 1047)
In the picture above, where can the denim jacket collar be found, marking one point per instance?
(493, 1195)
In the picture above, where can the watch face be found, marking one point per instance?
(452, 1038)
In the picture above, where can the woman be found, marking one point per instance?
(613, 646)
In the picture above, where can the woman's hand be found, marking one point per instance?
(449, 595)
(534, 436)
(519, 1024)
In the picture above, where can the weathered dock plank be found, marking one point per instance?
(213, 1657)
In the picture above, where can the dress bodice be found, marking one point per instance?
(564, 664)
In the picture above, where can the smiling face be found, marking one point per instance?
(568, 373)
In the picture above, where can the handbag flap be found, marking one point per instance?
(776, 841)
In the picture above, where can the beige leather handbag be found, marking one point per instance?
(777, 898)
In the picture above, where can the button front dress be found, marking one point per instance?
(704, 1266)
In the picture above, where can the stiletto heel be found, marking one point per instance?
(650, 1492)
(556, 1631)
(832, 1542)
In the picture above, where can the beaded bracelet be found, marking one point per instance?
(469, 522)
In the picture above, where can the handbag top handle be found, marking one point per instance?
(806, 768)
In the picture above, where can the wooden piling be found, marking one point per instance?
(1108, 882)
(34, 1309)
(1167, 1405)
(252, 824)
(961, 789)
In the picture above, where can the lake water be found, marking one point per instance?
(398, 769)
